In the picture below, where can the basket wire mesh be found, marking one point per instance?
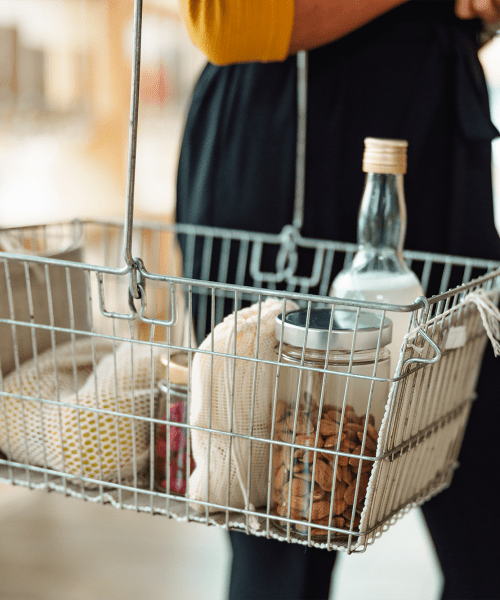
(426, 414)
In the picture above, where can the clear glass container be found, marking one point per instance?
(378, 272)
(171, 441)
(337, 415)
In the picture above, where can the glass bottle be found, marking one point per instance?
(171, 441)
(378, 272)
(339, 414)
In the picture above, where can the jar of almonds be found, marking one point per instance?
(327, 423)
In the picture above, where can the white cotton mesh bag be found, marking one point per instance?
(71, 439)
(222, 473)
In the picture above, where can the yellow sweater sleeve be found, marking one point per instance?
(232, 31)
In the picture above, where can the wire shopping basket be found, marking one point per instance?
(85, 340)
(79, 416)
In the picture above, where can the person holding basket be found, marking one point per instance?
(402, 69)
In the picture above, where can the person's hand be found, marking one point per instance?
(486, 10)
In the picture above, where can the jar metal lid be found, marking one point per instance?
(344, 322)
(176, 367)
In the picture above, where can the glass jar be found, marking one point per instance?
(170, 467)
(335, 414)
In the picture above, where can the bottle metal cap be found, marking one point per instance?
(341, 334)
(176, 367)
(385, 156)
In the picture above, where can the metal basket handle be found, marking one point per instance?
(287, 258)
(135, 265)
(132, 145)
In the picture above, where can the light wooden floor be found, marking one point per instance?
(57, 548)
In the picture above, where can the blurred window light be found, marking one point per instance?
(65, 70)
(490, 59)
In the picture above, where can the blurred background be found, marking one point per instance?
(65, 68)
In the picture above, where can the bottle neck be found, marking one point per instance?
(382, 214)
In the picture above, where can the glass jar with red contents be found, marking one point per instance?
(171, 441)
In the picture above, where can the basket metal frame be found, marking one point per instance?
(139, 494)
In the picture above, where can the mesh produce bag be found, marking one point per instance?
(240, 405)
(63, 434)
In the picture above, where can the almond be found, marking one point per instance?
(305, 405)
(328, 416)
(281, 477)
(308, 457)
(372, 432)
(355, 427)
(343, 460)
(303, 425)
(328, 457)
(318, 493)
(287, 455)
(300, 487)
(350, 416)
(281, 427)
(320, 509)
(352, 434)
(345, 446)
(299, 453)
(339, 505)
(281, 407)
(338, 522)
(371, 419)
(364, 478)
(328, 428)
(309, 440)
(283, 434)
(323, 475)
(340, 489)
(349, 494)
(347, 474)
(313, 416)
(332, 440)
(369, 443)
(299, 503)
(352, 445)
(334, 414)
(366, 467)
(281, 455)
(318, 531)
(304, 476)
(354, 462)
(348, 517)
(282, 511)
(348, 513)
(278, 495)
(277, 458)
